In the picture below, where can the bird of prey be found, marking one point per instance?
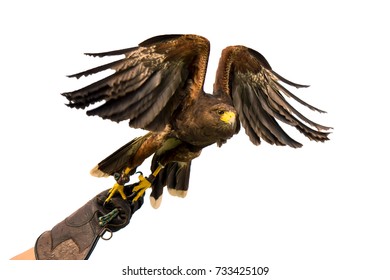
(158, 86)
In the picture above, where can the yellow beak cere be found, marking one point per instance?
(228, 117)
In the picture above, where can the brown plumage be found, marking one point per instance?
(158, 86)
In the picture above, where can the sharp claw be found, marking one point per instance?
(108, 199)
(122, 192)
(142, 186)
(116, 189)
(139, 194)
(138, 190)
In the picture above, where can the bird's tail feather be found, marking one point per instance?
(175, 176)
(120, 159)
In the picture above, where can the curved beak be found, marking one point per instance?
(229, 117)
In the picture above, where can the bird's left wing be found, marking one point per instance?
(245, 77)
(149, 83)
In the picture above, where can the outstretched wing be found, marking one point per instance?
(149, 83)
(247, 79)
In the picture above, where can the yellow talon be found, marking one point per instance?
(116, 189)
(140, 189)
(142, 186)
(144, 183)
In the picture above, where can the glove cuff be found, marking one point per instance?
(66, 250)
(74, 238)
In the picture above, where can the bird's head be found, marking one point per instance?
(224, 116)
(226, 122)
(227, 116)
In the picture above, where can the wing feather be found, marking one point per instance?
(97, 69)
(246, 78)
(149, 83)
(262, 119)
(111, 53)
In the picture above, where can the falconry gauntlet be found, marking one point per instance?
(75, 237)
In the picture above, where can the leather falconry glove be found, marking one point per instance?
(75, 237)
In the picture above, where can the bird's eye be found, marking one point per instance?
(220, 112)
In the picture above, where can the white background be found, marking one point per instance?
(319, 212)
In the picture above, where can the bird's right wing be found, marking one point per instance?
(149, 83)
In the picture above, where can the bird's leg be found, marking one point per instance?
(121, 180)
(145, 183)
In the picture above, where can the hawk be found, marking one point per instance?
(158, 86)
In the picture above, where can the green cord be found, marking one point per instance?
(104, 220)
